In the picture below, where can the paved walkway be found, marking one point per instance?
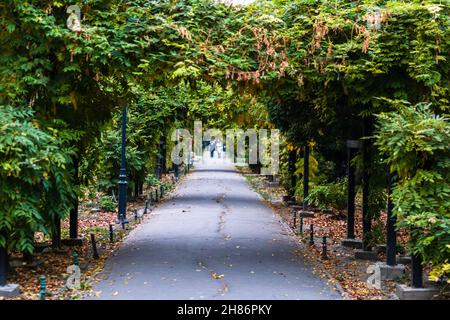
(213, 239)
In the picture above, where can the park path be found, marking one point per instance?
(212, 238)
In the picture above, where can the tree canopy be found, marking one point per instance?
(315, 69)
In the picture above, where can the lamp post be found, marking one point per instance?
(188, 154)
(305, 176)
(352, 146)
(176, 168)
(367, 219)
(292, 161)
(3, 266)
(391, 241)
(122, 219)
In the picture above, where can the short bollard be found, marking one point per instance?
(135, 215)
(111, 233)
(42, 287)
(324, 248)
(300, 230)
(294, 218)
(94, 247)
(152, 200)
(146, 207)
(75, 258)
(156, 195)
(311, 234)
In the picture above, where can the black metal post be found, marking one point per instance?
(324, 248)
(94, 247)
(146, 207)
(176, 167)
(311, 234)
(301, 226)
(163, 155)
(189, 154)
(111, 233)
(352, 145)
(42, 287)
(73, 216)
(56, 235)
(367, 220)
(291, 164)
(417, 271)
(75, 256)
(305, 176)
(135, 215)
(391, 235)
(3, 265)
(161, 158)
(294, 218)
(123, 172)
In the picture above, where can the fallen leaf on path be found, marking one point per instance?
(215, 275)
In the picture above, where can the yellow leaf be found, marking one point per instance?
(217, 276)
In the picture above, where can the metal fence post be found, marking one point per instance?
(94, 247)
(43, 288)
(324, 248)
(294, 218)
(111, 233)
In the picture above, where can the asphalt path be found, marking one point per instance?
(212, 238)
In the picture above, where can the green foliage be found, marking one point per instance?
(35, 184)
(313, 68)
(110, 158)
(330, 195)
(416, 143)
(376, 236)
(107, 203)
(151, 180)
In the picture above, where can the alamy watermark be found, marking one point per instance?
(250, 146)
(73, 281)
(374, 281)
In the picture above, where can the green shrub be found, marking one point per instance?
(330, 195)
(151, 180)
(107, 203)
(416, 143)
(376, 236)
(35, 182)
